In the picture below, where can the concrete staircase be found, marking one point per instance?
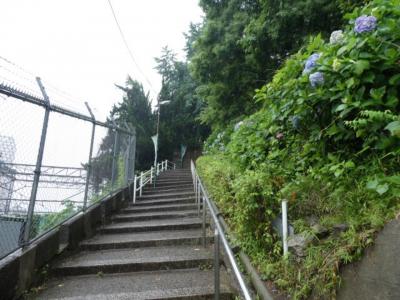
(151, 250)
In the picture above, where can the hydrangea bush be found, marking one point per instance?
(330, 125)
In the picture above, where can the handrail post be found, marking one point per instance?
(216, 265)
(204, 222)
(141, 183)
(198, 191)
(151, 175)
(89, 165)
(38, 167)
(134, 188)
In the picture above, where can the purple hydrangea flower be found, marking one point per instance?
(311, 62)
(365, 24)
(316, 79)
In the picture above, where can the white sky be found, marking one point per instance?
(75, 44)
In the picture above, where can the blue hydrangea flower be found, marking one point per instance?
(316, 79)
(311, 62)
(337, 37)
(365, 24)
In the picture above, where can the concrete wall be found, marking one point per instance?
(19, 270)
(377, 275)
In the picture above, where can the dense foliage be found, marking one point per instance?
(241, 44)
(179, 122)
(327, 139)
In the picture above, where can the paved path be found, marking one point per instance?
(151, 250)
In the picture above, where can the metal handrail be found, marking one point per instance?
(201, 195)
(149, 176)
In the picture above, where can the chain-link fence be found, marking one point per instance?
(54, 161)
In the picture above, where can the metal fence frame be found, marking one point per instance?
(45, 103)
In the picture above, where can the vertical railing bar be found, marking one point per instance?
(216, 266)
(36, 178)
(141, 184)
(134, 188)
(204, 223)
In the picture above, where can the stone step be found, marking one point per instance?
(154, 191)
(159, 208)
(150, 187)
(164, 201)
(135, 260)
(153, 225)
(145, 239)
(155, 215)
(174, 284)
(174, 183)
(175, 195)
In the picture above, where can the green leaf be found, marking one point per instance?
(349, 164)
(377, 94)
(394, 128)
(360, 66)
(382, 188)
(341, 107)
(372, 184)
(394, 80)
(342, 50)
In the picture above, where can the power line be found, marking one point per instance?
(127, 47)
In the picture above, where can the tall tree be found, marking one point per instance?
(179, 122)
(242, 42)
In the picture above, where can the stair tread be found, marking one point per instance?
(133, 209)
(142, 236)
(160, 213)
(138, 255)
(173, 284)
(155, 223)
(163, 201)
(159, 195)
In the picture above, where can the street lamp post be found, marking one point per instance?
(155, 138)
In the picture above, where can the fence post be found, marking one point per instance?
(114, 161)
(35, 184)
(89, 165)
(284, 227)
(216, 265)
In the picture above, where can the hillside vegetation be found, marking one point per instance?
(326, 137)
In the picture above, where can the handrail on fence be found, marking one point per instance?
(202, 199)
(149, 176)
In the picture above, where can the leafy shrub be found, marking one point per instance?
(327, 139)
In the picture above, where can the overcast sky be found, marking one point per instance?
(75, 44)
